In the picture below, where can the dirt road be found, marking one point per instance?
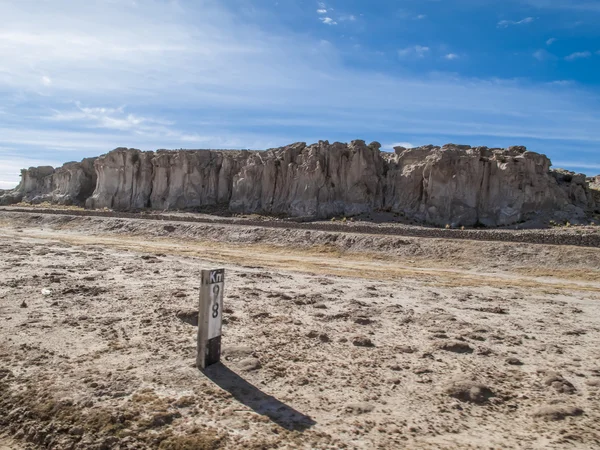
(330, 340)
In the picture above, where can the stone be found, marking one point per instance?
(557, 412)
(455, 185)
(189, 316)
(471, 391)
(362, 341)
(359, 408)
(233, 352)
(514, 361)
(125, 179)
(70, 184)
(249, 364)
(455, 347)
(560, 384)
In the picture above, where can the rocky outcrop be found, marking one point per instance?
(320, 180)
(70, 184)
(125, 179)
(188, 179)
(454, 184)
(460, 185)
(594, 185)
(132, 179)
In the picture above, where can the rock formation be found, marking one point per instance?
(459, 185)
(454, 184)
(70, 184)
(594, 184)
(320, 180)
(124, 180)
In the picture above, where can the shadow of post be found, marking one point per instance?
(263, 404)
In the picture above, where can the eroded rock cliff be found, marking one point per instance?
(319, 180)
(124, 180)
(70, 184)
(460, 185)
(453, 184)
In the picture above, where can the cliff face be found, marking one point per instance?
(320, 180)
(70, 184)
(463, 185)
(594, 184)
(456, 185)
(185, 179)
(124, 180)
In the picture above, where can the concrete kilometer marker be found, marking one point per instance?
(210, 317)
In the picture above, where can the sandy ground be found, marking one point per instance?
(331, 340)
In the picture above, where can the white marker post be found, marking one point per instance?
(210, 317)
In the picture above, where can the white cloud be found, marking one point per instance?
(562, 83)
(575, 5)
(578, 55)
(328, 21)
(46, 81)
(418, 51)
(451, 56)
(11, 165)
(398, 144)
(111, 118)
(576, 164)
(200, 75)
(409, 15)
(551, 41)
(543, 55)
(321, 11)
(507, 23)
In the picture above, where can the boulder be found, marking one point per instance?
(469, 390)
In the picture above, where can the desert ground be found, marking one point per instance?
(330, 339)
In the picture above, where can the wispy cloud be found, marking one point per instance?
(419, 51)
(111, 118)
(578, 55)
(544, 55)
(328, 21)
(508, 23)
(551, 41)
(574, 5)
(562, 83)
(390, 147)
(11, 165)
(451, 56)
(331, 17)
(576, 164)
(193, 75)
(405, 14)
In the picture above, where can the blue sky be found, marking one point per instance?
(80, 78)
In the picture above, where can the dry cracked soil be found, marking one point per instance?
(330, 340)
